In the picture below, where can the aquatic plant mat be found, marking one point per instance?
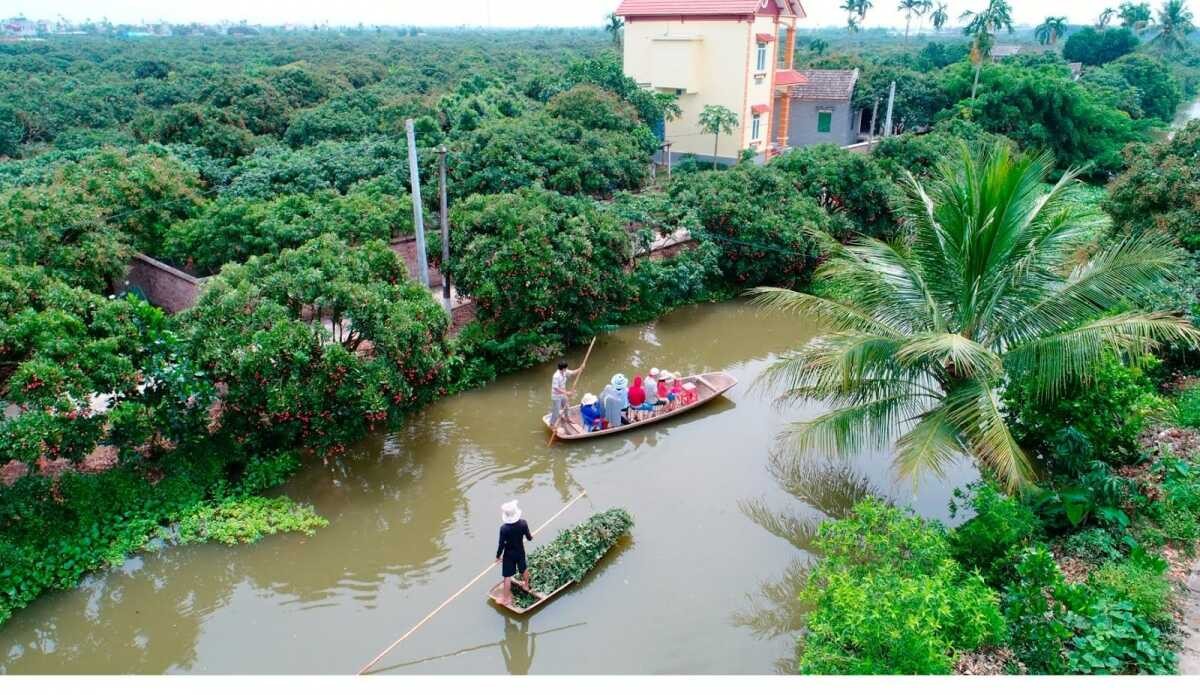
(572, 554)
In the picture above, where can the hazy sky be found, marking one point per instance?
(508, 13)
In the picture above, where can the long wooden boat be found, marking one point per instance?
(494, 595)
(708, 386)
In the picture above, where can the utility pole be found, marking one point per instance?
(445, 227)
(667, 150)
(887, 123)
(874, 115)
(418, 215)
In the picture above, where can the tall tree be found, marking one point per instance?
(940, 16)
(982, 27)
(989, 286)
(717, 119)
(1051, 30)
(613, 26)
(1174, 25)
(910, 8)
(1135, 16)
(1105, 17)
(856, 11)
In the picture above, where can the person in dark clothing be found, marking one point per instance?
(511, 549)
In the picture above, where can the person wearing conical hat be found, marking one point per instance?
(512, 548)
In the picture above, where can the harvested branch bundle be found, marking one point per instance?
(573, 553)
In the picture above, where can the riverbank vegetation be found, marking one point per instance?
(277, 166)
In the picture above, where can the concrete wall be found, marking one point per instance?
(709, 61)
(802, 126)
(165, 287)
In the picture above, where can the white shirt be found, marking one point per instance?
(558, 383)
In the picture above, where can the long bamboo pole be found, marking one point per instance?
(567, 414)
(460, 592)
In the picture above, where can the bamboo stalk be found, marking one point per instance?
(460, 592)
(567, 415)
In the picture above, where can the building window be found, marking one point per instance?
(760, 62)
(824, 121)
(756, 127)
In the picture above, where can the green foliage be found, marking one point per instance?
(853, 189)
(1093, 545)
(539, 264)
(920, 155)
(320, 341)
(1158, 91)
(1178, 514)
(1000, 526)
(1099, 419)
(1092, 46)
(755, 218)
(1188, 407)
(1138, 581)
(234, 229)
(930, 330)
(1042, 108)
(573, 553)
(659, 286)
(1041, 610)
(84, 221)
(245, 520)
(1160, 189)
(887, 597)
(1117, 640)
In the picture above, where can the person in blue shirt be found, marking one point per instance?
(591, 412)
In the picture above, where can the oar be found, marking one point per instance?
(567, 414)
(460, 592)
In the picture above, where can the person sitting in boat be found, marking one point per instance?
(511, 550)
(689, 393)
(676, 394)
(666, 384)
(611, 402)
(650, 385)
(637, 397)
(591, 412)
(620, 384)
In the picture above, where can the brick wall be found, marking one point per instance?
(169, 288)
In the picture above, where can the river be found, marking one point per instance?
(414, 514)
(1186, 113)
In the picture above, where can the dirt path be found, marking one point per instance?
(1189, 654)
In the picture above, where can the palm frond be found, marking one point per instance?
(973, 410)
(933, 444)
(952, 353)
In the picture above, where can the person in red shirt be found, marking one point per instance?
(637, 395)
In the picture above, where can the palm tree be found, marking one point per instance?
(1105, 17)
(856, 12)
(988, 284)
(982, 27)
(717, 119)
(1051, 30)
(909, 8)
(939, 17)
(1174, 25)
(614, 26)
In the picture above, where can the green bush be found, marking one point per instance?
(1041, 609)
(1093, 545)
(1188, 407)
(1178, 514)
(1115, 639)
(888, 597)
(988, 541)
(245, 520)
(574, 552)
(543, 268)
(1140, 582)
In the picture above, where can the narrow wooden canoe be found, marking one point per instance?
(708, 386)
(494, 595)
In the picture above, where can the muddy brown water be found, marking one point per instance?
(701, 585)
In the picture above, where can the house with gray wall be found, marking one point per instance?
(822, 109)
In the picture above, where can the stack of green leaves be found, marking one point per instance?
(573, 553)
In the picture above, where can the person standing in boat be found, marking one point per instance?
(513, 532)
(559, 395)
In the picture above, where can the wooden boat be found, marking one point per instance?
(494, 595)
(708, 386)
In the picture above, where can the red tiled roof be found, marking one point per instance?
(764, 38)
(651, 8)
(760, 108)
(786, 77)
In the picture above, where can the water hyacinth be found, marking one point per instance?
(573, 553)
